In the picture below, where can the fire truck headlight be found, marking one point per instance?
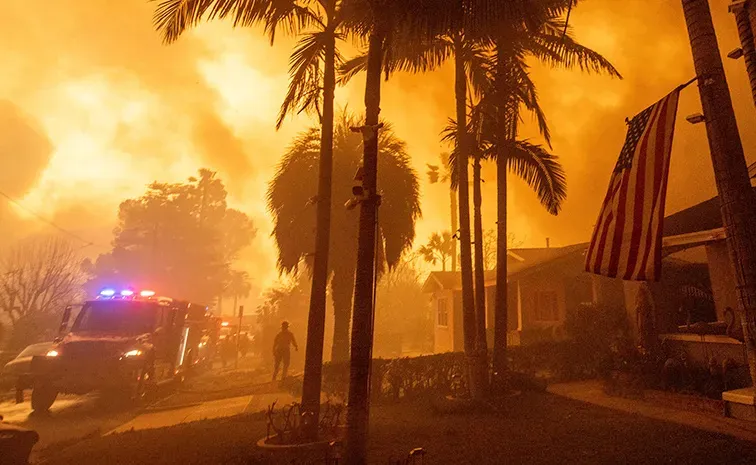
(52, 353)
(132, 353)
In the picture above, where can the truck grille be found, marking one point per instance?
(87, 350)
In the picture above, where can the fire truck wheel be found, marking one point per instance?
(144, 387)
(43, 396)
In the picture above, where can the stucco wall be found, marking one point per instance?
(722, 278)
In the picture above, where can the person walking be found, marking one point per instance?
(281, 351)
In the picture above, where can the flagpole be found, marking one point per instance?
(683, 86)
(680, 87)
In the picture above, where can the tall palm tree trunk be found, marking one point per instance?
(468, 297)
(316, 318)
(747, 43)
(501, 304)
(358, 407)
(342, 286)
(454, 226)
(751, 7)
(480, 285)
(730, 169)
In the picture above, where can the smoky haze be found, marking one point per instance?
(93, 107)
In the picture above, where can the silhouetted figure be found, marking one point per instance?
(228, 350)
(243, 344)
(281, 352)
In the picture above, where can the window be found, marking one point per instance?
(125, 317)
(547, 308)
(443, 312)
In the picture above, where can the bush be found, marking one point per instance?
(592, 331)
(445, 374)
(392, 379)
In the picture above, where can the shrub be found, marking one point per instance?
(392, 379)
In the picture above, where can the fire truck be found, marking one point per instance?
(126, 343)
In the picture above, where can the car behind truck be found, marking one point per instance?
(124, 343)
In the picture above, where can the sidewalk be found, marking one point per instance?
(204, 411)
(592, 392)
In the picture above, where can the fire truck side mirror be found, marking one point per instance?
(64, 322)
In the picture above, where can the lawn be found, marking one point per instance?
(533, 428)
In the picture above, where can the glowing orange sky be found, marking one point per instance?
(115, 109)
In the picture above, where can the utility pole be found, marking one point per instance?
(747, 45)
(730, 171)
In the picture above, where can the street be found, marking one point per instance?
(73, 418)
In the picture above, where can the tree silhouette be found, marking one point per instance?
(178, 239)
(289, 200)
(547, 38)
(39, 276)
(237, 286)
(440, 248)
(319, 26)
(442, 174)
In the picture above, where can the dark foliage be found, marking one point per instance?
(180, 239)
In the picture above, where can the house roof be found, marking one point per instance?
(539, 256)
(520, 260)
(450, 280)
(705, 216)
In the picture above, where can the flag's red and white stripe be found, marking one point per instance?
(627, 238)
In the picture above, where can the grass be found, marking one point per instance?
(535, 428)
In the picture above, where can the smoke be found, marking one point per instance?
(648, 43)
(114, 109)
(24, 149)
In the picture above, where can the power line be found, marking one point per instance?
(46, 221)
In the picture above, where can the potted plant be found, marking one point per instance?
(286, 442)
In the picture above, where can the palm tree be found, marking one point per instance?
(311, 88)
(291, 190)
(442, 174)
(730, 170)
(422, 55)
(549, 40)
(438, 249)
(238, 286)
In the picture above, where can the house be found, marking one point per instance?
(701, 291)
(543, 283)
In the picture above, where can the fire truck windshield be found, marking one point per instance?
(125, 317)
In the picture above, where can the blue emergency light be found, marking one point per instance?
(107, 292)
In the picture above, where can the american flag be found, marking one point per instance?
(627, 238)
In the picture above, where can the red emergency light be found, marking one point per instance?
(110, 293)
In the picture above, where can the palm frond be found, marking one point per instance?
(478, 67)
(565, 52)
(173, 17)
(292, 17)
(417, 56)
(541, 170)
(528, 95)
(351, 68)
(305, 70)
